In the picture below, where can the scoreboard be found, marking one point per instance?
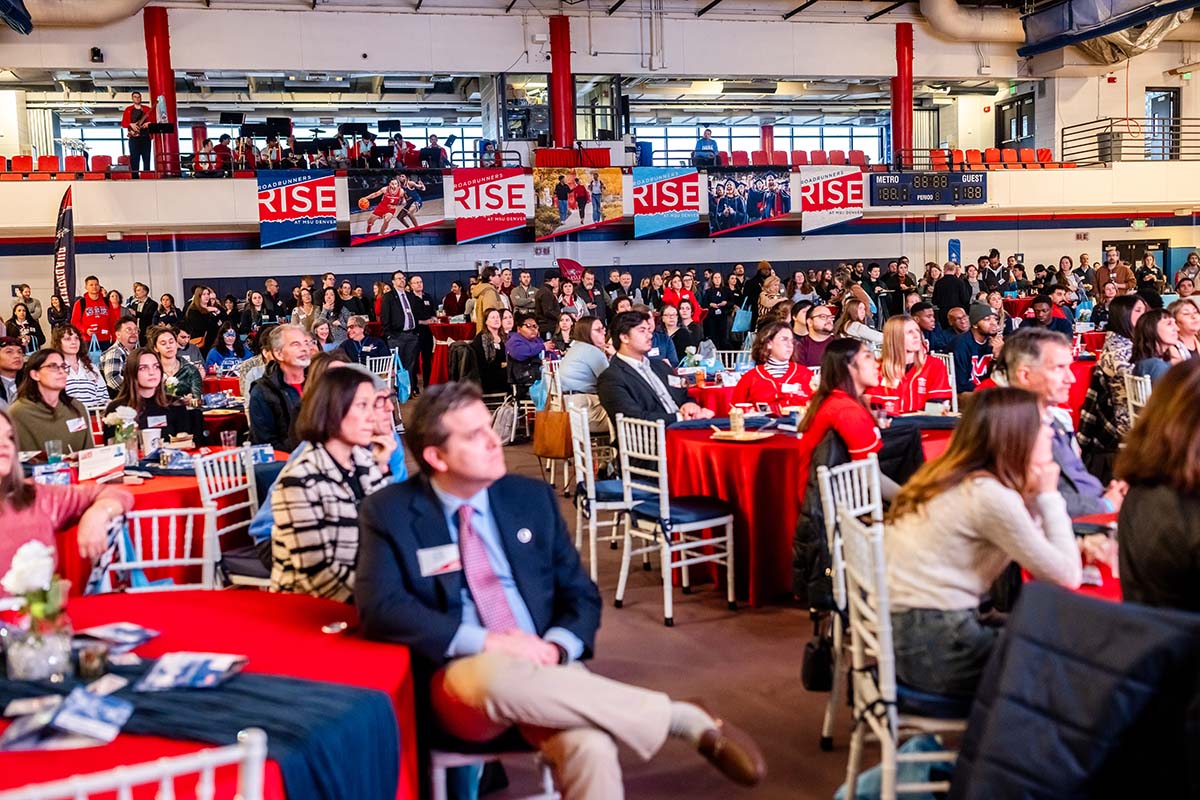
(928, 188)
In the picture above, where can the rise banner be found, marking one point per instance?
(664, 198)
(829, 196)
(295, 204)
(488, 202)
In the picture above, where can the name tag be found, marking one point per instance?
(653, 352)
(441, 560)
(675, 381)
(791, 388)
(156, 422)
(76, 425)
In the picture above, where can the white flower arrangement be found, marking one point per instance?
(32, 570)
(123, 421)
(171, 384)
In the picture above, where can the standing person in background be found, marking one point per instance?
(134, 120)
(593, 296)
(899, 283)
(1116, 271)
(718, 300)
(522, 294)
(1150, 276)
(91, 313)
(754, 288)
(425, 308)
(202, 317)
(1104, 419)
(400, 327)
(224, 153)
(143, 308)
(24, 327)
(57, 312)
(949, 292)
(25, 295)
(167, 313)
(925, 286)
(255, 315)
(348, 301)
(454, 300)
(545, 302)
(486, 294)
(273, 302)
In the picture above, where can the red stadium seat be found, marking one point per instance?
(48, 164)
(1028, 158)
(991, 158)
(723, 158)
(858, 158)
(101, 163)
(975, 160)
(1008, 156)
(1044, 155)
(122, 161)
(75, 164)
(740, 158)
(759, 158)
(939, 160)
(799, 158)
(3, 164)
(957, 160)
(818, 158)
(779, 158)
(837, 157)
(22, 164)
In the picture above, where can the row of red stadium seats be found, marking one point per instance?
(799, 158)
(995, 158)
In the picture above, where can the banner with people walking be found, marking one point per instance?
(385, 203)
(740, 198)
(489, 201)
(571, 199)
(664, 198)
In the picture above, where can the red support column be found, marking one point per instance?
(162, 87)
(767, 139)
(902, 96)
(199, 134)
(562, 83)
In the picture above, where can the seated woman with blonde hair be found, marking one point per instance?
(908, 376)
(990, 499)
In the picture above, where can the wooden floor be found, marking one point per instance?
(744, 664)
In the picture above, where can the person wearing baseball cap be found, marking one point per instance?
(12, 359)
(975, 349)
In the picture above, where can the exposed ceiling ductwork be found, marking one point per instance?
(953, 21)
(81, 13)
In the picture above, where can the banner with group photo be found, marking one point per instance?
(490, 201)
(389, 203)
(573, 199)
(829, 196)
(295, 204)
(740, 198)
(664, 198)
(64, 250)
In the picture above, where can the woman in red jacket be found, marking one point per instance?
(675, 293)
(775, 380)
(848, 370)
(908, 376)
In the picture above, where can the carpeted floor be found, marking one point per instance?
(744, 664)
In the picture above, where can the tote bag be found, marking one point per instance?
(741, 319)
(94, 352)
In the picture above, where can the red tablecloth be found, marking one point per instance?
(759, 480)
(446, 331)
(1016, 307)
(1082, 370)
(211, 385)
(1110, 587)
(215, 423)
(281, 633)
(1093, 341)
(715, 398)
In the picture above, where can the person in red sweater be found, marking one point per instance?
(93, 316)
(848, 370)
(775, 380)
(908, 376)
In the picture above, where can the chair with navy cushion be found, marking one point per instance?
(672, 526)
(882, 708)
(592, 497)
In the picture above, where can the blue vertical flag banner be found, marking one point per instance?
(64, 250)
(295, 204)
(664, 198)
(954, 251)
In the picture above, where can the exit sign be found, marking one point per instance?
(1082, 236)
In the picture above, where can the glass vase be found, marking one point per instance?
(42, 653)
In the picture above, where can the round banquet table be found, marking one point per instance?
(1093, 341)
(759, 480)
(715, 398)
(1017, 306)
(446, 332)
(1110, 586)
(1082, 370)
(211, 385)
(280, 633)
(217, 420)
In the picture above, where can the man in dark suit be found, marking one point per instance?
(638, 385)
(399, 320)
(475, 571)
(425, 309)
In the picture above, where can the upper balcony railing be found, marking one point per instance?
(1104, 141)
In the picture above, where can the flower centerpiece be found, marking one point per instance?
(171, 385)
(123, 421)
(40, 647)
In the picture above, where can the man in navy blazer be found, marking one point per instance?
(637, 384)
(475, 571)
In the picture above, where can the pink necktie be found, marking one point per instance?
(492, 605)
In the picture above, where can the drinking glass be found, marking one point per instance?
(54, 451)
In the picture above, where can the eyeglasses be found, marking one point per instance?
(820, 316)
(56, 366)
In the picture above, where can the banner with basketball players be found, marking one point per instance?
(490, 201)
(741, 198)
(664, 198)
(295, 204)
(388, 203)
(571, 199)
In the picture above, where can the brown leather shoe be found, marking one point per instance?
(734, 753)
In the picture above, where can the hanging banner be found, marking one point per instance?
(829, 195)
(295, 204)
(741, 198)
(385, 204)
(664, 198)
(490, 201)
(64, 250)
(571, 199)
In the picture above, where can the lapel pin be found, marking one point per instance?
(524, 536)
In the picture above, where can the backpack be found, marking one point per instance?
(504, 420)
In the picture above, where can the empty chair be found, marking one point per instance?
(939, 160)
(229, 490)
(779, 158)
(741, 158)
(975, 160)
(957, 160)
(1044, 155)
(800, 158)
(593, 497)
(948, 360)
(1009, 158)
(837, 157)
(759, 158)
(723, 158)
(3, 164)
(732, 359)
(384, 368)
(75, 164)
(21, 164)
(818, 158)
(991, 158)
(858, 158)
(48, 164)
(1028, 158)
(1137, 394)
(165, 538)
(122, 161)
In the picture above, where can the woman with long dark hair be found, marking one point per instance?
(142, 390)
(24, 327)
(1155, 344)
(57, 312)
(255, 315)
(718, 300)
(228, 351)
(43, 410)
(181, 378)
(992, 498)
(203, 317)
(84, 381)
(167, 313)
(1104, 419)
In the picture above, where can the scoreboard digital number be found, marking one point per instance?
(928, 188)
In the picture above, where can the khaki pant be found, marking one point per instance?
(575, 718)
(597, 416)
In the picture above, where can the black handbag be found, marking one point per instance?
(816, 670)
